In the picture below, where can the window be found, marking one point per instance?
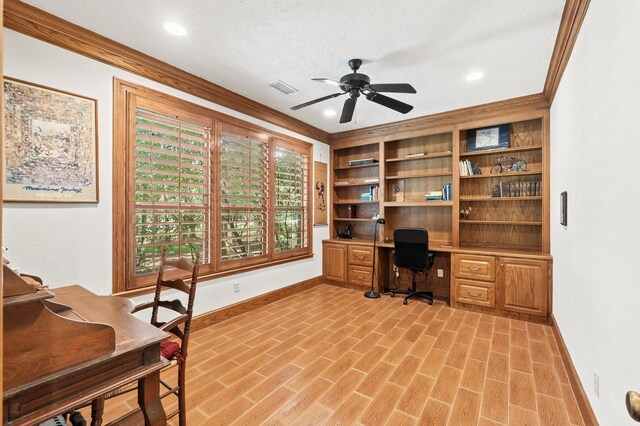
(291, 196)
(195, 180)
(243, 195)
(172, 176)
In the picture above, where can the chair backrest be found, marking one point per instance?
(411, 246)
(179, 325)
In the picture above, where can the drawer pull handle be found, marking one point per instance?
(473, 294)
(473, 269)
(360, 256)
(360, 277)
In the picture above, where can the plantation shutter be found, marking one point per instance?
(291, 198)
(172, 190)
(243, 196)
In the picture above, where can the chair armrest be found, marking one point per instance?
(173, 323)
(142, 306)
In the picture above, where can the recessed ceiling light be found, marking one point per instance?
(329, 113)
(175, 29)
(476, 75)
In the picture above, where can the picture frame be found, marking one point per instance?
(50, 145)
(320, 194)
(485, 138)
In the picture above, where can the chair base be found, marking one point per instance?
(428, 295)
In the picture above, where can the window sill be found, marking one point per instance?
(212, 275)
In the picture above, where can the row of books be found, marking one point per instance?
(466, 168)
(372, 195)
(518, 189)
(443, 195)
(362, 162)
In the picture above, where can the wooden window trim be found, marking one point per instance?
(125, 97)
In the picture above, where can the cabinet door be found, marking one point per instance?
(522, 286)
(334, 262)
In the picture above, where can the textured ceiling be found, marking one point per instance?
(244, 45)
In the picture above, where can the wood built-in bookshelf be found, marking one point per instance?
(517, 220)
(414, 167)
(349, 183)
(514, 220)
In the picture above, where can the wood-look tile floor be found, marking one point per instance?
(330, 356)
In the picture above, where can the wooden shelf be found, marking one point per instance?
(500, 151)
(501, 222)
(356, 184)
(343, 202)
(422, 157)
(502, 175)
(363, 166)
(419, 175)
(500, 198)
(418, 203)
(346, 219)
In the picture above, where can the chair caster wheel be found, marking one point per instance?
(393, 295)
(430, 302)
(405, 302)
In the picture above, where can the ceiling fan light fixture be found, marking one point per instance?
(174, 29)
(329, 113)
(473, 76)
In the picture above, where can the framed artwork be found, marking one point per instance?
(494, 137)
(319, 193)
(50, 145)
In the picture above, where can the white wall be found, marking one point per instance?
(71, 244)
(595, 157)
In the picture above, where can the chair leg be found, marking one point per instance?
(97, 409)
(414, 292)
(182, 403)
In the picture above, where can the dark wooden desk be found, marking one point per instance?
(110, 347)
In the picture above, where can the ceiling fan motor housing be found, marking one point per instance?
(355, 80)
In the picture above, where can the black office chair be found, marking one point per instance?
(412, 253)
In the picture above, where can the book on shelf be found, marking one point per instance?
(433, 195)
(372, 195)
(362, 162)
(446, 192)
(466, 168)
(417, 154)
(517, 189)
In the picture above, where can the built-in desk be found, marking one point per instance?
(506, 282)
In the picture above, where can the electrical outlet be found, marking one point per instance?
(236, 287)
(440, 273)
(596, 383)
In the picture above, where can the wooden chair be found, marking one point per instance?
(179, 326)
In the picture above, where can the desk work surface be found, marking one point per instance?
(444, 247)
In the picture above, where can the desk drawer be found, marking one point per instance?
(475, 292)
(361, 255)
(475, 267)
(359, 275)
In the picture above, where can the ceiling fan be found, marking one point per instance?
(355, 84)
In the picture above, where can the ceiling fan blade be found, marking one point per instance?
(332, 82)
(347, 110)
(315, 101)
(393, 88)
(389, 102)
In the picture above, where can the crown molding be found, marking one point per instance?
(572, 18)
(36, 23)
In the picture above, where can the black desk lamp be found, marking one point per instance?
(372, 294)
